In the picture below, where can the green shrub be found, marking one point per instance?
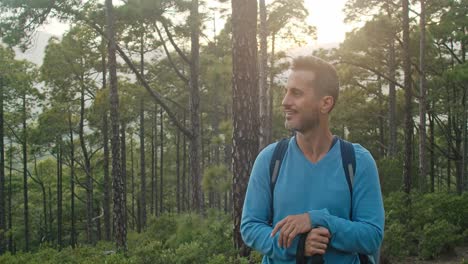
(395, 244)
(190, 253)
(437, 238)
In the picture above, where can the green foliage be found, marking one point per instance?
(424, 225)
(438, 237)
(216, 178)
(390, 171)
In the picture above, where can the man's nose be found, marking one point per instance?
(286, 101)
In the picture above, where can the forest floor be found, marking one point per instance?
(458, 257)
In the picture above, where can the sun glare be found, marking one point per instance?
(328, 17)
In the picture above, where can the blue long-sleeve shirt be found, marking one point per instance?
(321, 190)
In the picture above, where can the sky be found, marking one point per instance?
(326, 15)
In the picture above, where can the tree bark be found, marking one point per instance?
(2, 175)
(72, 182)
(10, 220)
(105, 139)
(392, 67)
(142, 164)
(132, 175)
(59, 195)
(178, 171)
(161, 167)
(408, 100)
(245, 105)
(118, 183)
(123, 150)
(25, 176)
(195, 140)
(87, 168)
(264, 89)
(422, 98)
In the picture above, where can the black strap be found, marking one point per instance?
(275, 165)
(348, 160)
(300, 253)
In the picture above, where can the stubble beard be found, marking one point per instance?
(310, 124)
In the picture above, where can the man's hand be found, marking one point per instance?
(290, 227)
(317, 241)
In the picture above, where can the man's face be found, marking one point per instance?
(300, 103)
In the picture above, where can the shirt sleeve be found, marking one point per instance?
(256, 215)
(364, 233)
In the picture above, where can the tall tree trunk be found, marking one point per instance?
(264, 99)
(44, 211)
(161, 167)
(245, 105)
(153, 169)
(2, 175)
(392, 67)
(408, 100)
(422, 98)
(87, 168)
(142, 138)
(142, 164)
(59, 195)
(132, 175)
(465, 141)
(449, 172)
(25, 176)
(195, 140)
(381, 120)
(155, 149)
(178, 171)
(10, 193)
(51, 219)
(105, 139)
(72, 182)
(118, 183)
(432, 143)
(123, 150)
(185, 189)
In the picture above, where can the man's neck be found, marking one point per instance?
(315, 144)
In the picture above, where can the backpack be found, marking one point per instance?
(348, 160)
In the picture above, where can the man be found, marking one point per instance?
(311, 194)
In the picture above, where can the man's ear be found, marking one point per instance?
(327, 104)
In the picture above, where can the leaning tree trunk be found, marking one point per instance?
(120, 228)
(408, 100)
(245, 105)
(195, 140)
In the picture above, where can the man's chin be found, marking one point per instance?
(289, 126)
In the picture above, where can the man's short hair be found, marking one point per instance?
(326, 78)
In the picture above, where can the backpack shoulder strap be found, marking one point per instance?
(348, 159)
(275, 165)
